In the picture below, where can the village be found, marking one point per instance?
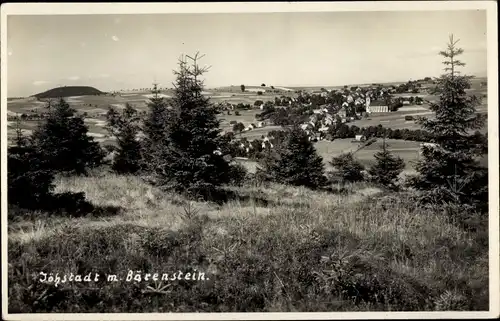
(321, 111)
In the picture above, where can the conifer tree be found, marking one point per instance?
(155, 131)
(30, 181)
(450, 171)
(188, 159)
(63, 141)
(125, 127)
(20, 140)
(347, 168)
(294, 162)
(387, 167)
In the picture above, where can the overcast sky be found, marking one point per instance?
(113, 52)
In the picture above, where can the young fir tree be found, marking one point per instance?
(387, 167)
(20, 140)
(155, 131)
(449, 171)
(294, 162)
(125, 127)
(30, 181)
(62, 139)
(188, 160)
(347, 168)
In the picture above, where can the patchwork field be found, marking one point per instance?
(96, 107)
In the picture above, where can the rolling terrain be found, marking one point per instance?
(95, 107)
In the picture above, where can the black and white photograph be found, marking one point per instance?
(249, 160)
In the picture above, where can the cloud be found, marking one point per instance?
(98, 76)
(421, 52)
(40, 82)
(115, 38)
(74, 78)
(83, 44)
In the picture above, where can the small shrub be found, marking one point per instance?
(348, 169)
(238, 174)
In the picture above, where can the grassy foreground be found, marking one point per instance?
(276, 249)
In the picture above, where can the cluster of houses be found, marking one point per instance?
(246, 146)
(251, 126)
(323, 118)
(343, 105)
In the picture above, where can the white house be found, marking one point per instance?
(430, 145)
(328, 121)
(378, 109)
(360, 138)
(254, 90)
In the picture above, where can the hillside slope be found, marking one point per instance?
(271, 248)
(68, 91)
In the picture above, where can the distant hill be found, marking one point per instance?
(68, 91)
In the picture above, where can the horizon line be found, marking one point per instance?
(476, 75)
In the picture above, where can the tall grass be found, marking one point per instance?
(280, 248)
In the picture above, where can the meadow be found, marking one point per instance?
(267, 249)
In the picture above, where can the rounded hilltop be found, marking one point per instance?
(68, 91)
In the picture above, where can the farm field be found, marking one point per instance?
(96, 107)
(407, 150)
